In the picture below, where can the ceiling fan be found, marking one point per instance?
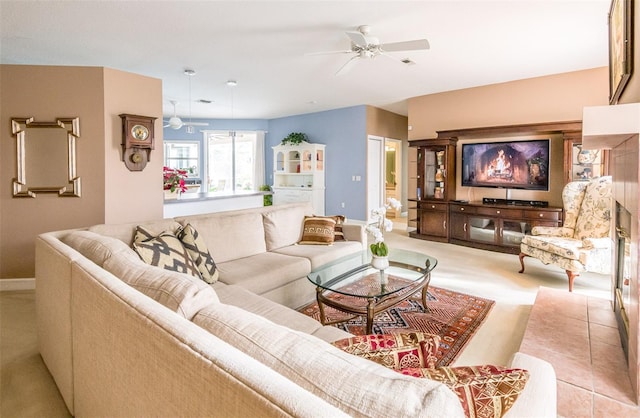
(175, 122)
(364, 45)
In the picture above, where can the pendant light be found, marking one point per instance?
(190, 73)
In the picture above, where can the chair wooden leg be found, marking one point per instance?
(572, 275)
(522, 256)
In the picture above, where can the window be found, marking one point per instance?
(235, 160)
(184, 155)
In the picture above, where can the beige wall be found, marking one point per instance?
(559, 97)
(95, 95)
(131, 195)
(552, 98)
(386, 124)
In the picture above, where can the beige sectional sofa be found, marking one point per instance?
(123, 338)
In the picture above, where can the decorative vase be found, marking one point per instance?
(379, 262)
(169, 195)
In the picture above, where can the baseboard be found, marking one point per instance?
(7, 285)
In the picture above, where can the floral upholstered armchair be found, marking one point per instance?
(582, 243)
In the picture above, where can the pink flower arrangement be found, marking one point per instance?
(174, 179)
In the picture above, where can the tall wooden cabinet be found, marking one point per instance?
(298, 175)
(581, 164)
(435, 186)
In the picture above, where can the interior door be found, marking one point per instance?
(375, 173)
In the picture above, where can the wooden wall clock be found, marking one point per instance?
(137, 140)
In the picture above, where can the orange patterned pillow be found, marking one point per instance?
(484, 391)
(318, 230)
(395, 351)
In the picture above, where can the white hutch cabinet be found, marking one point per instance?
(298, 174)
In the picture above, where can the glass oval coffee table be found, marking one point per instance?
(351, 285)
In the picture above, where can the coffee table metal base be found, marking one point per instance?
(374, 305)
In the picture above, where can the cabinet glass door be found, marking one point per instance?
(434, 173)
(482, 229)
(513, 232)
(586, 164)
(319, 160)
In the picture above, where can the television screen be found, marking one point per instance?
(509, 165)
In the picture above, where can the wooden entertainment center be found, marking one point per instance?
(493, 224)
(497, 227)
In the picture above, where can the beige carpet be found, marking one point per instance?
(27, 389)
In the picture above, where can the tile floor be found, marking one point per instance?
(592, 383)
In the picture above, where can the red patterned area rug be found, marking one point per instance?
(454, 316)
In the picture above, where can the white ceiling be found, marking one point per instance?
(262, 45)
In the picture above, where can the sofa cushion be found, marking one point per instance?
(95, 247)
(280, 314)
(395, 351)
(317, 230)
(230, 236)
(357, 386)
(555, 247)
(199, 253)
(264, 272)
(182, 293)
(320, 255)
(126, 232)
(283, 226)
(484, 391)
(164, 250)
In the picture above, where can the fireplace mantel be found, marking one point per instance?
(606, 127)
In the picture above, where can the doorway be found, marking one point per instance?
(384, 173)
(393, 170)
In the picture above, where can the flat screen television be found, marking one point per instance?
(507, 165)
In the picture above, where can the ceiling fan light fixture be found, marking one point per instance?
(232, 83)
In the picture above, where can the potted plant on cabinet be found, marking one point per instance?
(294, 138)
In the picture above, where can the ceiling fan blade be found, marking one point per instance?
(348, 51)
(357, 38)
(196, 123)
(347, 65)
(415, 45)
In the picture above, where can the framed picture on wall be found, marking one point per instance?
(620, 47)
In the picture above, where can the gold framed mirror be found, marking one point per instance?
(46, 157)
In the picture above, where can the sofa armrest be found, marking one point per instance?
(553, 231)
(354, 232)
(600, 243)
(539, 397)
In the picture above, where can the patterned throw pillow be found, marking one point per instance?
(197, 249)
(338, 235)
(395, 351)
(484, 391)
(164, 250)
(318, 230)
